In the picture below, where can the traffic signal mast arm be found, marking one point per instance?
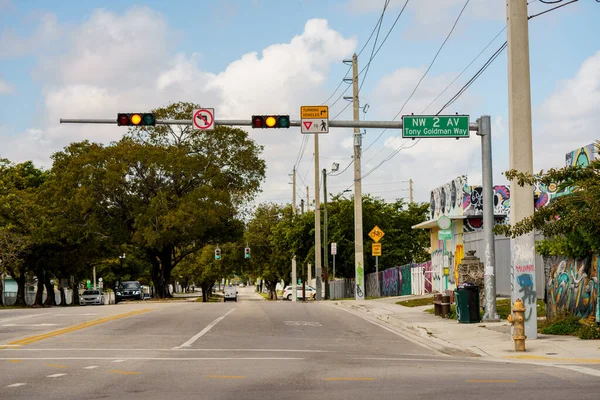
(248, 122)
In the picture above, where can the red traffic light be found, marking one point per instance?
(258, 121)
(136, 119)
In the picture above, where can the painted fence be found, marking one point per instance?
(573, 285)
(396, 281)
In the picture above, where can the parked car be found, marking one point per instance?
(230, 293)
(91, 297)
(129, 290)
(309, 292)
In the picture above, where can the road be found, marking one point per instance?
(250, 349)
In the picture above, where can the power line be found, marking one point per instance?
(425, 74)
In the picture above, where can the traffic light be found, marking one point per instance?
(136, 119)
(217, 253)
(247, 253)
(270, 121)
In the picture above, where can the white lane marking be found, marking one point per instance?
(157, 358)
(172, 349)
(16, 385)
(205, 330)
(301, 323)
(54, 375)
(30, 325)
(91, 367)
(21, 317)
(118, 361)
(583, 370)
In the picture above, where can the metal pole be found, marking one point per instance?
(307, 199)
(377, 275)
(94, 273)
(325, 238)
(489, 239)
(410, 182)
(317, 222)
(521, 159)
(294, 272)
(358, 222)
(302, 206)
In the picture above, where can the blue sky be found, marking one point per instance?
(96, 58)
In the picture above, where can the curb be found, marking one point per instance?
(413, 333)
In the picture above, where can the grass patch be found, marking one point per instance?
(212, 299)
(416, 302)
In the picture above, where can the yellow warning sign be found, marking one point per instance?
(376, 247)
(313, 112)
(376, 234)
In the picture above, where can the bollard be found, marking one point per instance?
(437, 304)
(518, 323)
(445, 305)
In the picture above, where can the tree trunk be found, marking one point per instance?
(20, 290)
(39, 294)
(50, 296)
(1, 289)
(166, 268)
(63, 297)
(206, 288)
(75, 288)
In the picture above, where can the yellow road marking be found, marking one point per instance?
(56, 366)
(491, 381)
(545, 358)
(348, 379)
(226, 376)
(37, 338)
(117, 371)
(14, 360)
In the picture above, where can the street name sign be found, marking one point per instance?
(314, 119)
(435, 126)
(204, 119)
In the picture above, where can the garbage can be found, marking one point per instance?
(467, 303)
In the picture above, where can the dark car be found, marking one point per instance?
(130, 290)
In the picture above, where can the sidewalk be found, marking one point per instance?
(484, 339)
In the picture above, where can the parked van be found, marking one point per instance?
(230, 293)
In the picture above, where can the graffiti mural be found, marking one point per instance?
(458, 257)
(447, 199)
(580, 157)
(389, 282)
(573, 285)
(405, 279)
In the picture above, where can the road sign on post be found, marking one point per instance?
(376, 234)
(314, 119)
(435, 126)
(333, 248)
(376, 248)
(204, 119)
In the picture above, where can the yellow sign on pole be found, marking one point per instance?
(376, 248)
(376, 234)
(314, 112)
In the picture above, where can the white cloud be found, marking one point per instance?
(569, 118)
(96, 73)
(48, 31)
(5, 87)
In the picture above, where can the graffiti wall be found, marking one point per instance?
(389, 282)
(447, 199)
(581, 156)
(459, 254)
(405, 279)
(572, 285)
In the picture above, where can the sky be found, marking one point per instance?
(93, 59)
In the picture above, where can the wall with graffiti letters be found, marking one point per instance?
(447, 199)
(572, 285)
(581, 156)
(389, 282)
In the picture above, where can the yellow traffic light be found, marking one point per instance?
(271, 121)
(136, 119)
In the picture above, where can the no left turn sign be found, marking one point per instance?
(204, 119)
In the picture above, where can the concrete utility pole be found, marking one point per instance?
(319, 295)
(307, 200)
(521, 159)
(325, 238)
(410, 189)
(358, 217)
(294, 277)
(302, 206)
(489, 239)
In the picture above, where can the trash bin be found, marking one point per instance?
(467, 303)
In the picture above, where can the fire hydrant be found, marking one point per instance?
(518, 323)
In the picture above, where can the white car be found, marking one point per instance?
(91, 297)
(230, 293)
(309, 291)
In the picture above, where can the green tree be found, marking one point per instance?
(571, 222)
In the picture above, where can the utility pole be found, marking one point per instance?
(307, 200)
(302, 206)
(489, 239)
(294, 277)
(325, 238)
(358, 222)
(317, 222)
(521, 159)
(410, 189)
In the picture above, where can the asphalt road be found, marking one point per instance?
(252, 349)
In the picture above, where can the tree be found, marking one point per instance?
(571, 222)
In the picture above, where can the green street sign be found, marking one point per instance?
(435, 126)
(444, 234)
